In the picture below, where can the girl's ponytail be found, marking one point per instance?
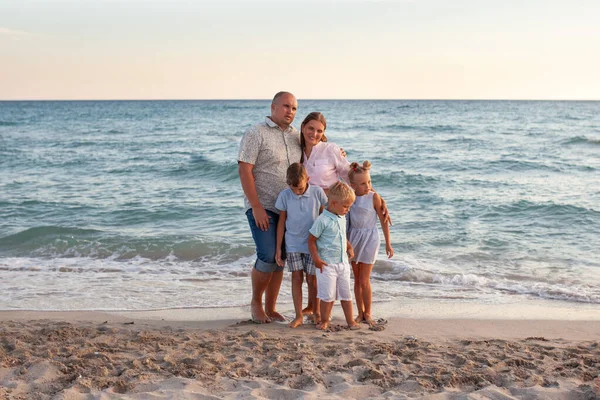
(356, 168)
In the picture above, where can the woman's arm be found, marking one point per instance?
(342, 165)
(383, 208)
(385, 227)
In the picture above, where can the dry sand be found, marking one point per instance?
(93, 355)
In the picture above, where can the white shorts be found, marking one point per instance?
(334, 282)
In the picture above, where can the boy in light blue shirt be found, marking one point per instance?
(299, 206)
(330, 251)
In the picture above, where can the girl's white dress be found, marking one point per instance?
(362, 229)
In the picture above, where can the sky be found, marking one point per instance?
(317, 49)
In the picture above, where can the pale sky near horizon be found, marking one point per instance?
(317, 49)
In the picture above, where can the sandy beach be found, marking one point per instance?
(172, 354)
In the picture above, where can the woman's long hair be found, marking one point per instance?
(313, 116)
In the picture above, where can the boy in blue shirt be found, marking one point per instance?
(330, 251)
(299, 206)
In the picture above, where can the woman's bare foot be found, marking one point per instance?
(369, 320)
(296, 322)
(316, 318)
(275, 316)
(258, 314)
(354, 326)
(307, 311)
(323, 326)
(359, 318)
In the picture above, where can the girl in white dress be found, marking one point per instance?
(364, 236)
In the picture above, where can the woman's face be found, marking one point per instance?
(313, 132)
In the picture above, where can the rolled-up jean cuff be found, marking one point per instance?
(262, 266)
(265, 242)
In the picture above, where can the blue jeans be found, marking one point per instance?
(266, 243)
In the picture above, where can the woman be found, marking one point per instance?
(324, 161)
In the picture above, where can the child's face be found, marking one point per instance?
(313, 132)
(339, 207)
(300, 188)
(361, 183)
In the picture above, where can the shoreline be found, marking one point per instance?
(520, 309)
(439, 320)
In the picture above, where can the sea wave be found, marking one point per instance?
(66, 242)
(504, 164)
(8, 123)
(579, 293)
(403, 179)
(404, 128)
(201, 165)
(533, 209)
(581, 140)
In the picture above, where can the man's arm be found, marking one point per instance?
(247, 179)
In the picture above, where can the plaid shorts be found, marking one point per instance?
(301, 262)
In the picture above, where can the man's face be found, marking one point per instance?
(283, 110)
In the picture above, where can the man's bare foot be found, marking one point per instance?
(323, 326)
(258, 314)
(275, 316)
(308, 310)
(296, 322)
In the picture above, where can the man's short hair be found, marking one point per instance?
(339, 191)
(296, 173)
(278, 95)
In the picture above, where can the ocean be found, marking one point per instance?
(137, 205)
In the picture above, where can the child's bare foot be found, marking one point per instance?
(275, 316)
(323, 326)
(308, 310)
(258, 314)
(296, 322)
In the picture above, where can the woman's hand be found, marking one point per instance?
(386, 213)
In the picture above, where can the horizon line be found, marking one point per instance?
(300, 99)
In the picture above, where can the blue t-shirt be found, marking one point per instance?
(302, 211)
(330, 231)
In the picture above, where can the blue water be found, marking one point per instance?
(135, 205)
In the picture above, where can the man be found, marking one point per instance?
(266, 151)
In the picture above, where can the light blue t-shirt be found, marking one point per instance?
(330, 231)
(302, 211)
